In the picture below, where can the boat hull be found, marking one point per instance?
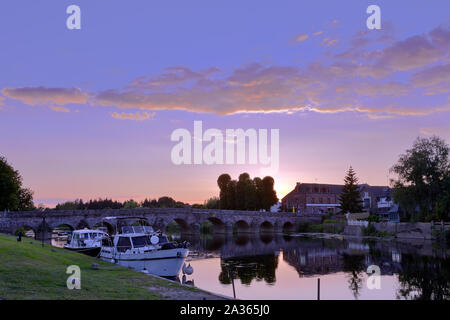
(164, 263)
(93, 252)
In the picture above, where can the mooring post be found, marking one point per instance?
(43, 230)
(230, 272)
(318, 288)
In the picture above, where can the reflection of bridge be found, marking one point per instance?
(188, 218)
(242, 245)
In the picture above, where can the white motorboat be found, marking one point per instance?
(141, 248)
(86, 241)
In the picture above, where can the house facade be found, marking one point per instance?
(319, 198)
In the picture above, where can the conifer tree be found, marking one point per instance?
(350, 197)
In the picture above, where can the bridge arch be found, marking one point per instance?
(241, 226)
(218, 225)
(288, 227)
(63, 226)
(27, 231)
(109, 228)
(82, 224)
(44, 231)
(178, 223)
(266, 226)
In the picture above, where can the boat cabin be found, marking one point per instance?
(79, 237)
(129, 241)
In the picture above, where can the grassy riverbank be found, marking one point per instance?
(30, 271)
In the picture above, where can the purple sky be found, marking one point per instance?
(89, 113)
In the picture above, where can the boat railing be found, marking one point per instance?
(137, 229)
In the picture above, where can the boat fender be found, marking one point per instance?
(154, 239)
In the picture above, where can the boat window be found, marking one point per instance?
(123, 244)
(163, 239)
(138, 229)
(106, 242)
(127, 229)
(139, 242)
(76, 236)
(148, 229)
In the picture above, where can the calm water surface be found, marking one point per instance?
(284, 267)
(287, 267)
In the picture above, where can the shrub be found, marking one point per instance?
(373, 218)
(303, 227)
(370, 231)
(316, 228)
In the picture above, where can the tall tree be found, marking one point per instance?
(350, 197)
(12, 195)
(245, 193)
(259, 189)
(231, 195)
(269, 195)
(422, 174)
(222, 182)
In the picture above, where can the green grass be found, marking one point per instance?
(30, 271)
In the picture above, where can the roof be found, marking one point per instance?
(377, 191)
(88, 231)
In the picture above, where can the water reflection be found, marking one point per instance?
(354, 265)
(424, 278)
(409, 271)
(247, 269)
(268, 266)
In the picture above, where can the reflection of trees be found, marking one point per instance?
(261, 267)
(424, 278)
(354, 265)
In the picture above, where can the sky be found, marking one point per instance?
(89, 113)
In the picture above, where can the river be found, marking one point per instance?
(267, 266)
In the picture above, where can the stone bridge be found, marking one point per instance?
(189, 219)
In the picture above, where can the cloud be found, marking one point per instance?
(133, 116)
(42, 95)
(60, 109)
(432, 76)
(301, 37)
(414, 52)
(392, 80)
(436, 130)
(317, 33)
(329, 42)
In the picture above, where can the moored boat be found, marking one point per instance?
(86, 241)
(139, 247)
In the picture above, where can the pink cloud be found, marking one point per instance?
(133, 116)
(42, 95)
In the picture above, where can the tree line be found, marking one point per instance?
(162, 202)
(101, 204)
(246, 193)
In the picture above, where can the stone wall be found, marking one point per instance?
(401, 230)
(405, 230)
